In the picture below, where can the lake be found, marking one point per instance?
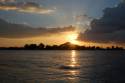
(62, 66)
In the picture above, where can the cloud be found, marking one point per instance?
(83, 21)
(8, 30)
(110, 28)
(7, 0)
(26, 7)
(82, 17)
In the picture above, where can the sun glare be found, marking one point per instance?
(72, 38)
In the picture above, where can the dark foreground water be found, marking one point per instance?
(62, 66)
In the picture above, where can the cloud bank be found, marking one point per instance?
(25, 7)
(9, 30)
(7, 0)
(109, 28)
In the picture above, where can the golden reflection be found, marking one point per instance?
(73, 72)
(73, 62)
(74, 67)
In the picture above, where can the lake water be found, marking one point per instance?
(62, 66)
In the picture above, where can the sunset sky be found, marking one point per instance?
(84, 22)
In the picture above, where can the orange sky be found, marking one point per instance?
(50, 39)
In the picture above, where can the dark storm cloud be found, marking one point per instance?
(109, 28)
(25, 7)
(8, 30)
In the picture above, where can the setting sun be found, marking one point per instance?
(73, 38)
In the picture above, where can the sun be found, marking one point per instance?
(72, 38)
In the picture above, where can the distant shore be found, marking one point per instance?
(65, 46)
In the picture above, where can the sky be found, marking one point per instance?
(54, 21)
(61, 12)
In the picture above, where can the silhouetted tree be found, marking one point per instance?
(31, 46)
(65, 46)
(41, 46)
(48, 47)
(68, 46)
(55, 47)
(26, 46)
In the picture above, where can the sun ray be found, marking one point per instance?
(72, 38)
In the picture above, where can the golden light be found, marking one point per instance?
(73, 67)
(72, 38)
(73, 64)
(73, 58)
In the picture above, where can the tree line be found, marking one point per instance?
(65, 46)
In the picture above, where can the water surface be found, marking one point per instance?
(62, 66)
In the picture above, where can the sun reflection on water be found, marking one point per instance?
(73, 62)
(74, 72)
